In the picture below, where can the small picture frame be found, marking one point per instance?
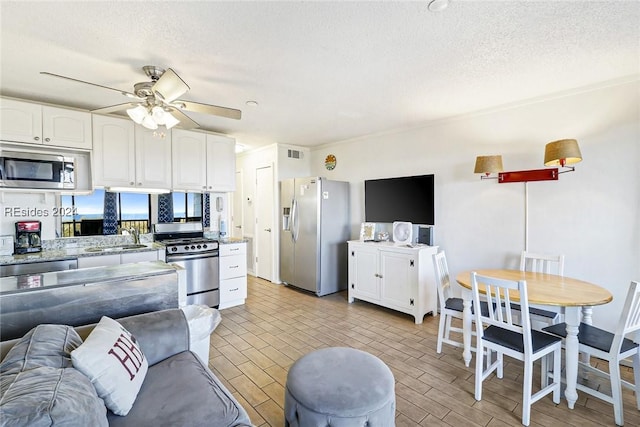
(367, 231)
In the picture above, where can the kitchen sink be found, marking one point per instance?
(114, 248)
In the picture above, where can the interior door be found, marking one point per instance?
(237, 214)
(265, 228)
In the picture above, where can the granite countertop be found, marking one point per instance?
(66, 253)
(82, 277)
(232, 240)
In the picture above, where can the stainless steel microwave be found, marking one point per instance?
(31, 170)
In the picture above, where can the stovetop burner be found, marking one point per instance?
(184, 239)
(190, 246)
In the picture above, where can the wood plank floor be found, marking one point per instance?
(255, 344)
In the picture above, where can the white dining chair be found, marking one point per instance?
(497, 332)
(450, 307)
(612, 347)
(548, 264)
(542, 263)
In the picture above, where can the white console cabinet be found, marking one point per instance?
(395, 276)
(233, 274)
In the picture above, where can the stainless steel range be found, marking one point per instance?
(187, 247)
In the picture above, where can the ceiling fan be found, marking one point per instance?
(156, 102)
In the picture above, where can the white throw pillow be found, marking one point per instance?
(113, 361)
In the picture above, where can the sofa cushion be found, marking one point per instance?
(44, 345)
(112, 359)
(48, 396)
(182, 391)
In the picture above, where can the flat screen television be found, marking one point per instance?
(407, 198)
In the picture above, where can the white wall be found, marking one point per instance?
(283, 168)
(38, 206)
(591, 215)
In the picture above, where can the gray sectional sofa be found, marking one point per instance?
(178, 389)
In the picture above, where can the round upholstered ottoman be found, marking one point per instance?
(339, 387)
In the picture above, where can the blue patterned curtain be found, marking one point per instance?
(165, 207)
(206, 215)
(110, 220)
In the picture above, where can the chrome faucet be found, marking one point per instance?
(136, 235)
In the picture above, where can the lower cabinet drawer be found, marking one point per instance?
(233, 266)
(233, 289)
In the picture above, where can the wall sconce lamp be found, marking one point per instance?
(563, 153)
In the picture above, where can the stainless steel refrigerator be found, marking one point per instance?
(314, 229)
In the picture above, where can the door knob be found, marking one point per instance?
(267, 229)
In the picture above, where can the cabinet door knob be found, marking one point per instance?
(131, 183)
(37, 138)
(47, 139)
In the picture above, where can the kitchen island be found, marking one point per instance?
(83, 296)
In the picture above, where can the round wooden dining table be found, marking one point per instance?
(575, 297)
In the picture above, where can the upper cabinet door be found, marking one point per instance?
(221, 163)
(153, 159)
(66, 128)
(189, 160)
(20, 121)
(114, 152)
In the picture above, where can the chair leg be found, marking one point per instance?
(616, 391)
(544, 372)
(636, 377)
(526, 392)
(479, 372)
(557, 375)
(443, 319)
(500, 359)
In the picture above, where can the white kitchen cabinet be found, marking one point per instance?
(99, 261)
(393, 276)
(233, 274)
(203, 162)
(42, 124)
(189, 160)
(129, 156)
(131, 257)
(221, 163)
(120, 258)
(153, 159)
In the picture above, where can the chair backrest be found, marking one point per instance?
(502, 295)
(542, 263)
(442, 277)
(630, 317)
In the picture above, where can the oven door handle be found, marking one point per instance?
(173, 258)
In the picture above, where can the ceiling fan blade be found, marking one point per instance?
(122, 92)
(114, 108)
(185, 121)
(169, 86)
(215, 110)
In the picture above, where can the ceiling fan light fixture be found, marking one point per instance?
(149, 123)
(158, 114)
(169, 120)
(437, 5)
(138, 114)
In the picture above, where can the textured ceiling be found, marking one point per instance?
(320, 71)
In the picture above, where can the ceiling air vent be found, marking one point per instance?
(294, 154)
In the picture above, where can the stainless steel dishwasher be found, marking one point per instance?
(38, 267)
